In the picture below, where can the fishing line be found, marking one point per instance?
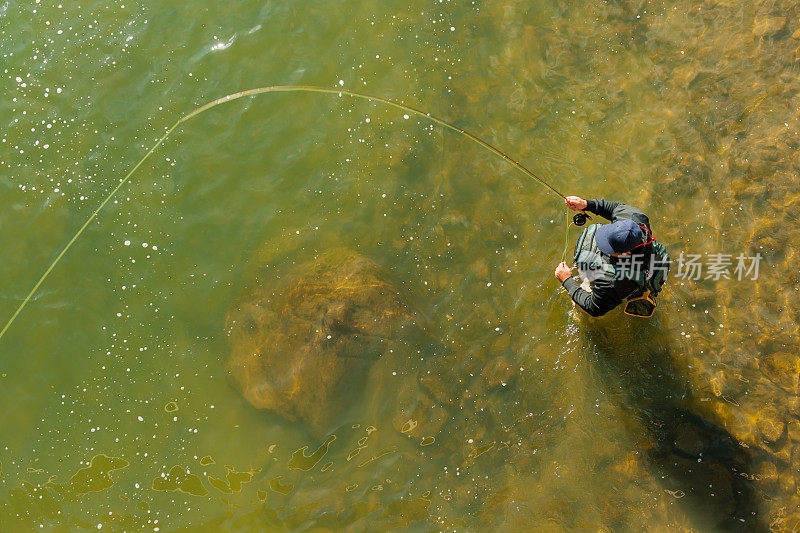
(253, 92)
(566, 239)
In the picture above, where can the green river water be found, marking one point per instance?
(504, 408)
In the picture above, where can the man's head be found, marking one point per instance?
(618, 237)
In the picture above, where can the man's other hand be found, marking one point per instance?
(576, 203)
(563, 271)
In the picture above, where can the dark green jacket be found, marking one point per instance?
(608, 292)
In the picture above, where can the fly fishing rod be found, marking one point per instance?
(274, 89)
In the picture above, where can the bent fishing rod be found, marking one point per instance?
(274, 89)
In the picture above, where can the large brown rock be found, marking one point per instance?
(302, 347)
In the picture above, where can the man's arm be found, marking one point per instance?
(604, 208)
(600, 301)
(614, 211)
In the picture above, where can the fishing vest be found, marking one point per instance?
(592, 264)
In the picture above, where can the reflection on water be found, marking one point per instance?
(501, 411)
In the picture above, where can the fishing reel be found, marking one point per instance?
(580, 219)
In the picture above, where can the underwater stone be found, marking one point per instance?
(303, 347)
(687, 439)
(787, 485)
(794, 433)
(770, 425)
(768, 25)
(768, 472)
(497, 372)
(783, 369)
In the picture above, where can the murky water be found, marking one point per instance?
(497, 406)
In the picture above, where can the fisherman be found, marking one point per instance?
(620, 260)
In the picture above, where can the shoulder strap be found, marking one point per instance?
(660, 268)
(586, 241)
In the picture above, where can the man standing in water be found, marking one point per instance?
(619, 260)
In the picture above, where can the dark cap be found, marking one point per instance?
(618, 237)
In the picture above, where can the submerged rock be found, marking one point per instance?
(303, 347)
(770, 424)
(768, 25)
(783, 369)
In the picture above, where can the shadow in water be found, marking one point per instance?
(694, 458)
